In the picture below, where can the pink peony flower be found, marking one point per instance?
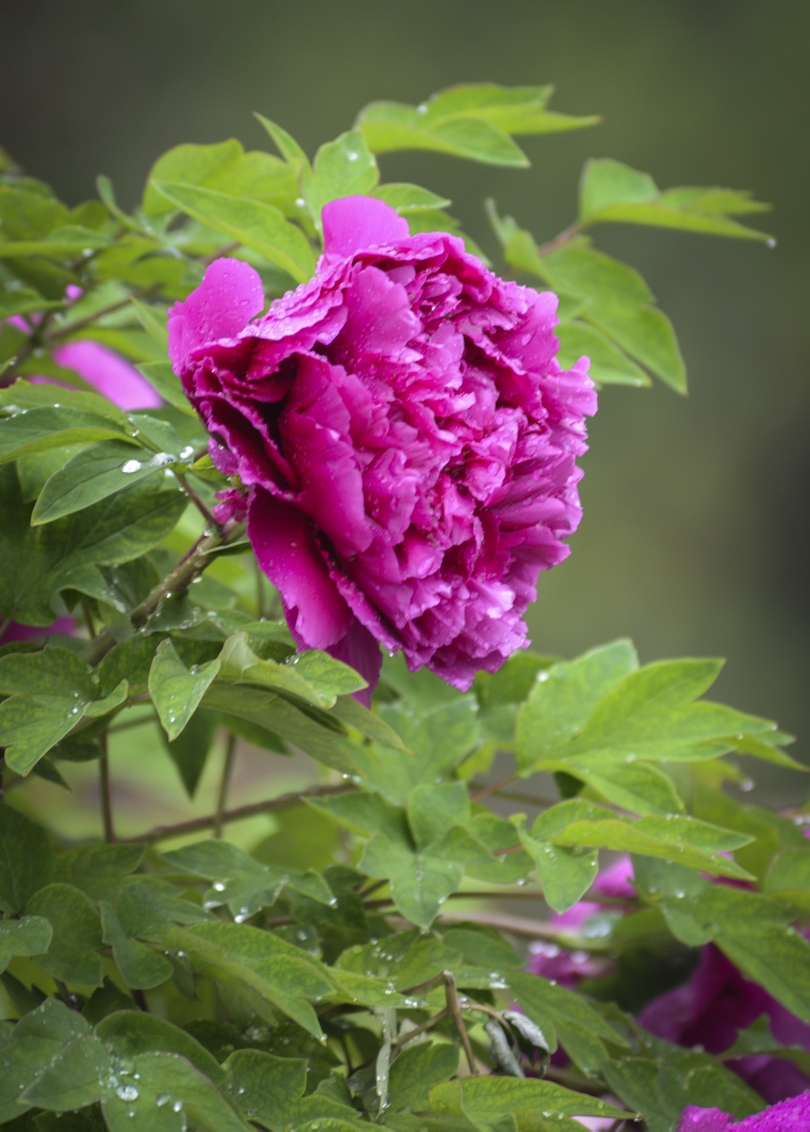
(788, 1116)
(108, 373)
(713, 1006)
(406, 435)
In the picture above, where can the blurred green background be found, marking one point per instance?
(696, 516)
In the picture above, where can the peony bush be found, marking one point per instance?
(283, 457)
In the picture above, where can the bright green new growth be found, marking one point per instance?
(326, 978)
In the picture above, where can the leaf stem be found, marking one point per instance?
(269, 806)
(225, 781)
(417, 1030)
(485, 791)
(558, 241)
(451, 992)
(63, 330)
(198, 503)
(105, 790)
(177, 581)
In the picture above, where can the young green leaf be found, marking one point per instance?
(256, 225)
(176, 691)
(611, 191)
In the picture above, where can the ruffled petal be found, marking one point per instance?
(228, 297)
(282, 540)
(352, 224)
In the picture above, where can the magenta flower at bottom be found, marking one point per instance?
(406, 434)
(788, 1116)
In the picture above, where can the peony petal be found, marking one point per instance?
(282, 540)
(114, 378)
(352, 224)
(228, 297)
(361, 652)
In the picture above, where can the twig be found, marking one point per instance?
(213, 525)
(271, 805)
(130, 723)
(451, 991)
(225, 781)
(533, 929)
(106, 794)
(485, 791)
(558, 241)
(417, 1030)
(140, 999)
(180, 578)
(225, 250)
(34, 340)
(66, 329)
(69, 1000)
(365, 892)
(576, 1081)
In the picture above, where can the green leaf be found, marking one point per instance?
(36, 430)
(163, 380)
(26, 859)
(35, 1041)
(189, 165)
(29, 936)
(16, 300)
(53, 690)
(91, 475)
(564, 697)
(788, 878)
(98, 870)
(189, 751)
(288, 147)
(69, 552)
(312, 676)
(75, 1078)
(141, 967)
(260, 968)
(171, 1094)
(611, 191)
(176, 691)
(72, 955)
(481, 1098)
(420, 883)
(153, 322)
(256, 225)
(581, 1029)
(434, 809)
(566, 874)
(416, 1071)
(344, 167)
(608, 364)
(406, 198)
(636, 786)
(240, 881)
(364, 813)
(132, 1032)
(472, 121)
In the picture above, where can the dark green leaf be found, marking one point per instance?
(72, 955)
(419, 883)
(91, 475)
(26, 859)
(98, 870)
(30, 935)
(162, 379)
(75, 1078)
(141, 966)
(415, 1072)
(131, 1032)
(481, 1098)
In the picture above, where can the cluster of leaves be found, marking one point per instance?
(320, 977)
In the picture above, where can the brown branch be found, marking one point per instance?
(454, 1007)
(177, 581)
(66, 329)
(485, 791)
(417, 1030)
(558, 241)
(105, 790)
(225, 782)
(271, 805)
